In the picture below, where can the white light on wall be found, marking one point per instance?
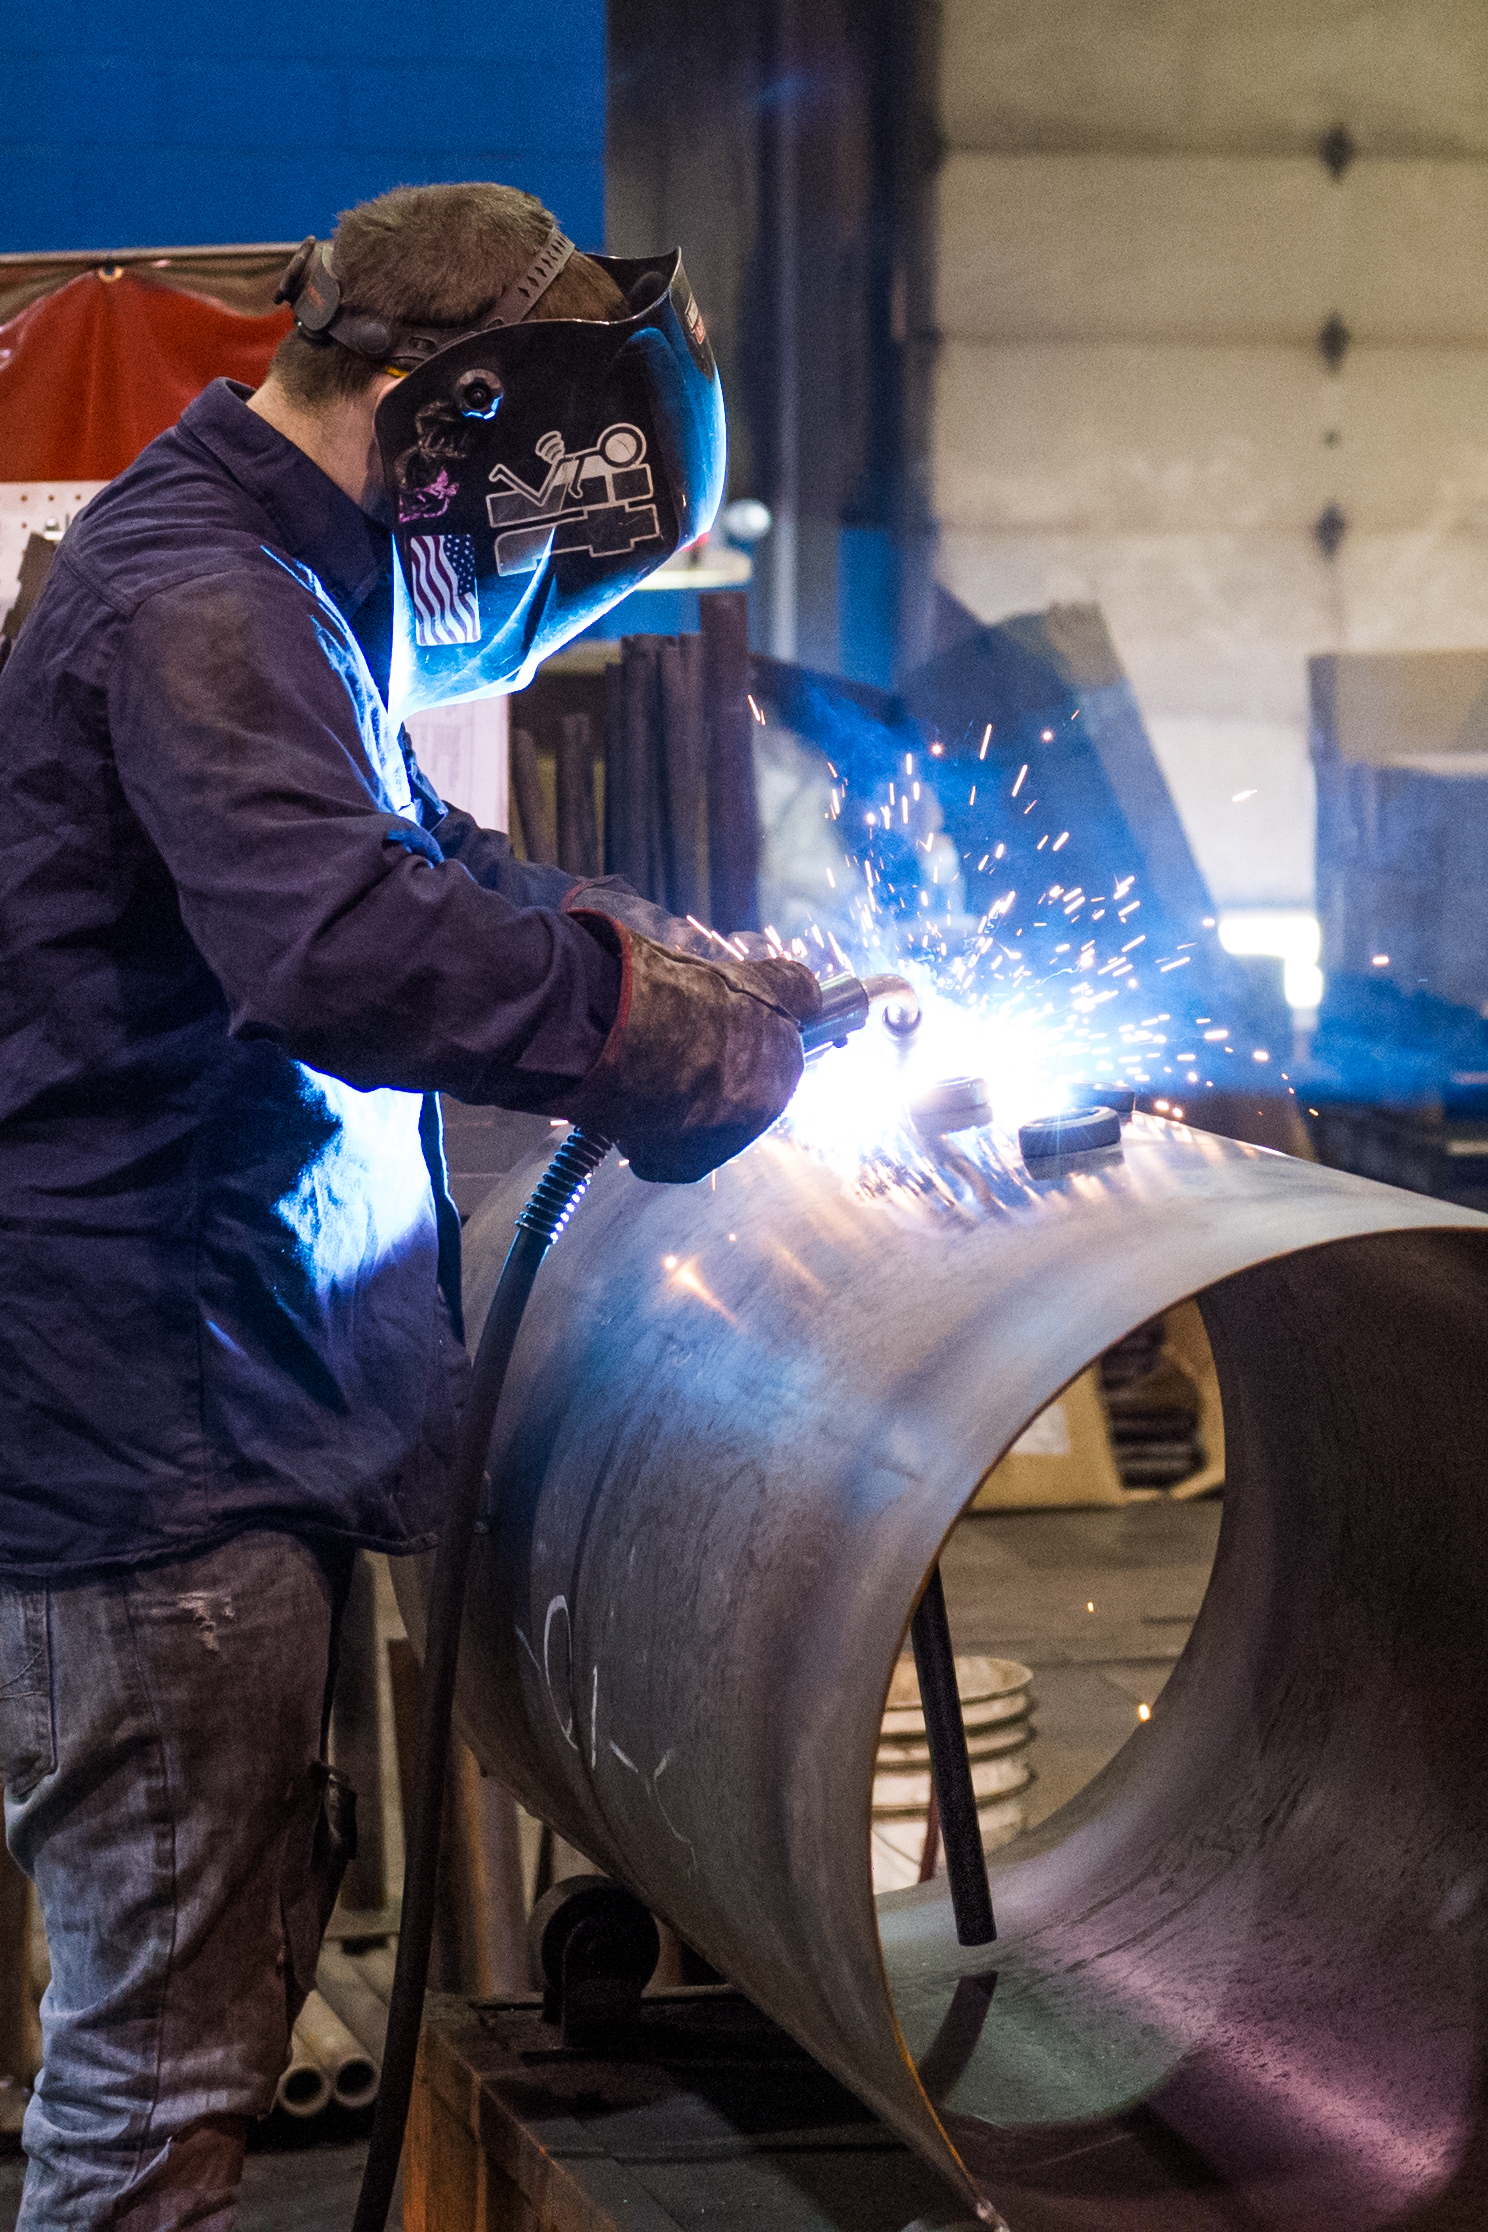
(1293, 937)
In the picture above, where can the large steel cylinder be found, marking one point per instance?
(1243, 1979)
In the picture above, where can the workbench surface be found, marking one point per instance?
(713, 2121)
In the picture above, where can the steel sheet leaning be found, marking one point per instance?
(1243, 1978)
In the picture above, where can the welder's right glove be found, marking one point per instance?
(702, 1056)
(613, 896)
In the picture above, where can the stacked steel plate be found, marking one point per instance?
(1153, 1409)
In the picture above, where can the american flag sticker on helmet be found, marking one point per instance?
(441, 578)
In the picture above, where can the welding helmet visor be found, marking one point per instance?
(536, 473)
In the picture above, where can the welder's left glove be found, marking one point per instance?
(702, 1056)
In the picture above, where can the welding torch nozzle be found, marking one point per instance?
(847, 1000)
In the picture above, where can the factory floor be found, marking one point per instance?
(298, 2189)
(1098, 1603)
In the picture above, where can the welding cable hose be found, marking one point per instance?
(546, 1213)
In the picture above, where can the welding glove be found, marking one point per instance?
(612, 896)
(701, 1058)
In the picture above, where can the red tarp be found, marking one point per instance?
(91, 373)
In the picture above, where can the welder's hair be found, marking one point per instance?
(437, 256)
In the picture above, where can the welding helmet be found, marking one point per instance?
(535, 472)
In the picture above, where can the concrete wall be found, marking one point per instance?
(157, 123)
(1138, 247)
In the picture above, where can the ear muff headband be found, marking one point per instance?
(313, 290)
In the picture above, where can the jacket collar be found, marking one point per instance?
(314, 520)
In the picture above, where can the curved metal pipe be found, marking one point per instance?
(1243, 1979)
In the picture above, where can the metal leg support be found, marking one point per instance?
(961, 1833)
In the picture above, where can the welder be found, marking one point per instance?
(245, 947)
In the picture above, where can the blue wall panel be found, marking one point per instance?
(133, 125)
(868, 605)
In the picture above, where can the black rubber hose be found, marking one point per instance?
(538, 1226)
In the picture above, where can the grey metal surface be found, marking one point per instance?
(1239, 1981)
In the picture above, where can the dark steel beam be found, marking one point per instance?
(950, 1768)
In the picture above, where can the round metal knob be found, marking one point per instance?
(478, 394)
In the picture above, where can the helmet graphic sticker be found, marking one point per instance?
(597, 500)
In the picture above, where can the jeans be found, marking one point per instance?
(160, 1745)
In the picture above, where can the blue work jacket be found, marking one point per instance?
(243, 944)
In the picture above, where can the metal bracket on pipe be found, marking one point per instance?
(597, 1948)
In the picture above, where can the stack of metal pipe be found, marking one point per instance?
(337, 2043)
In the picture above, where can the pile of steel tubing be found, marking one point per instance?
(336, 2045)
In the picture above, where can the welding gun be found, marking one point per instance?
(846, 1002)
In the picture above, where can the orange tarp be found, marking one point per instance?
(91, 373)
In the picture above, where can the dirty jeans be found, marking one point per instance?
(159, 1739)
